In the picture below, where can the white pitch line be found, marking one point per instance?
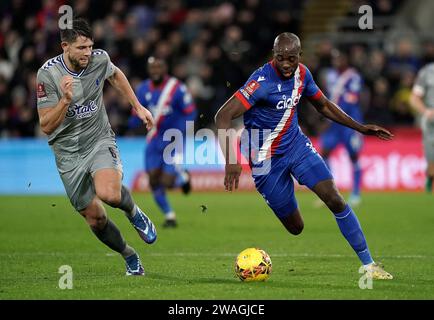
(308, 255)
(218, 254)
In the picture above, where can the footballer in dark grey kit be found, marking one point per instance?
(72, 114)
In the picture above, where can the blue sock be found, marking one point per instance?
(161, 199)
(357, 178)
(352, 231)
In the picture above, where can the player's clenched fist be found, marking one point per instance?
(146, 116)
(66, 87)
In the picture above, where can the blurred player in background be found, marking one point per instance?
(422, 100)
(171, 105)
(72, 114)
(343, 88)
(269, 100)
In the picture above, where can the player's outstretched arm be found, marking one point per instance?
(50, 118)
(333, 112)
(230, 110)
(119, 81)
(416, 102)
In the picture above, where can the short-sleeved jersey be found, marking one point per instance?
(170, 103)
(86, 120)
(424, 85)
(344, 90)
(272, 103)
(424, 88)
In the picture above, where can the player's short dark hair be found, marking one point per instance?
(80, 27)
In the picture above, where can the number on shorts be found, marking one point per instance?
(113, 152)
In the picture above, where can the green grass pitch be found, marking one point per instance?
(38, 234)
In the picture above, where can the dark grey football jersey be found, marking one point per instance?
(424, 84)
(86, 120)
(424, 87)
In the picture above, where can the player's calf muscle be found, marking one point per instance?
(94, 214)
(96, 222)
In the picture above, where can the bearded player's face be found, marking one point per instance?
(286, 58)
(79, 52)
(157, 70)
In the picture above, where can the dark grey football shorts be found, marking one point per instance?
(428, 145)
(77, 171)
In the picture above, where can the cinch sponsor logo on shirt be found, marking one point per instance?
(286, 103)
(80, 111)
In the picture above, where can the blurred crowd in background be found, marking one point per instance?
(211, 45)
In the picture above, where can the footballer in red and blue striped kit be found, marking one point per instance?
(275, 99)
(172, 105)
(344, 85)
(278, 148)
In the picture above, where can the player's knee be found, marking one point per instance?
(167, 181)
(296, 229)
(97, 223)
(95, 216)
(294, 224)
(110, 196)
(335, 202)
(154, 185)
(154, 181)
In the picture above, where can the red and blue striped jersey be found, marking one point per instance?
(344, 90)
(170, 103)
(272, 103)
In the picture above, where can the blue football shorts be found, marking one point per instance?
(155, 156)
(276, 185)
(350, 139)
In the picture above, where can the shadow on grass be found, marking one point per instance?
(233, 281)
(186, 280)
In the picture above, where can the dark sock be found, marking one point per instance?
(112, 238)
(127, 202)
(128, 251)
